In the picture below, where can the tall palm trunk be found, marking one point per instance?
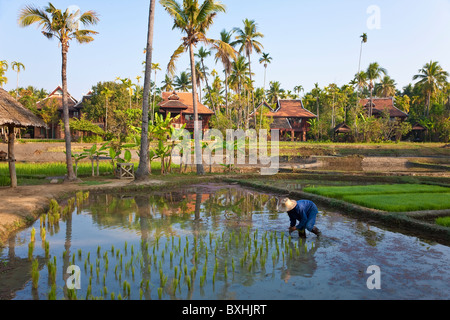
(67, 136)
(226, 93)
(197, 129)
(209, 90)
(143, 169)
(251, 83)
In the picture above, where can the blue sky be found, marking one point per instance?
(309, 41)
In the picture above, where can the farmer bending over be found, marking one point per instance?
(303, 211)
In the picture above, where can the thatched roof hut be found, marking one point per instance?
(14, 115)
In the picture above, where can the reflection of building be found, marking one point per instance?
(290, 117)
(181, 103)
(55, 130)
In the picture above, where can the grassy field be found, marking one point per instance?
(36, 173)
(381, 189)
(392, 198)
(443, 221)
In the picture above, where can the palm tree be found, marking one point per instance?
(274, 93)
(183, 82)
(3, 69)
(194, 20)
(107, 93)
(385, 88)
(17, 66)
(200, 76)
(63, 26)
(266, 59)
(155, 67)
(203, 54)
(239, 73)
(167, 84)
(299, 89)
(363, 40)
(143, 169)
(431, 78)
(225, 58)
(374, 72)
(316, 91)
(246, 38)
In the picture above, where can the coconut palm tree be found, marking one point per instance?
(107, 93)
(431, 78)
(64, 26)
(299, 89)
(386, 87)
(17, 66)
(238, 75)
(246, 38)
(200, 76)
(203, 54)
(363, 40)
(167, 84)
(265, 59)
(225, 58)
(183, 82)
(143, 169)
(3, 69)
(275, 91)
(316, 91)
(194, 20)
(155, 67)
(374, 72)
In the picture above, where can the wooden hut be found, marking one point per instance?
(14, 115)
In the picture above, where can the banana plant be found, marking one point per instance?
(77, 157)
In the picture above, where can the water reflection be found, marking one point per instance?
(232, 232)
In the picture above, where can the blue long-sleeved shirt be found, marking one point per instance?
(301, 213)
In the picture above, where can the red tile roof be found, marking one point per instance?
(186, 99)
(287, 108)
(380, 104)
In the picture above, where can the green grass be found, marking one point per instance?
(379, 189)
(443, 221)
(392, 198)
(402, 202)
(35, 173)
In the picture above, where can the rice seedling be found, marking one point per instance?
(119, 297)
(113, 297)
(141, 293)
(52, 293)
(160, 291)
(30, 251)
(43, 234)
(202, 281)
(47, 249)
(33, 234)
(35, 273)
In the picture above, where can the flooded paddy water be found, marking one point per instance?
(214, 241)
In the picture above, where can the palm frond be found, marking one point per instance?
(89, 18)
(29, 15)
(171, 65)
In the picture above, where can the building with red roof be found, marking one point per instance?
(381, 105)
(182, 104)
(290, 118)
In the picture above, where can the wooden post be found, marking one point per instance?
(11, 159)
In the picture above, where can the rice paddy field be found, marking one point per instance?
(392, 198)
(209, 242)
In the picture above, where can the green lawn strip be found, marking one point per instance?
(443, 221)
(402, 202)
(341, 192)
